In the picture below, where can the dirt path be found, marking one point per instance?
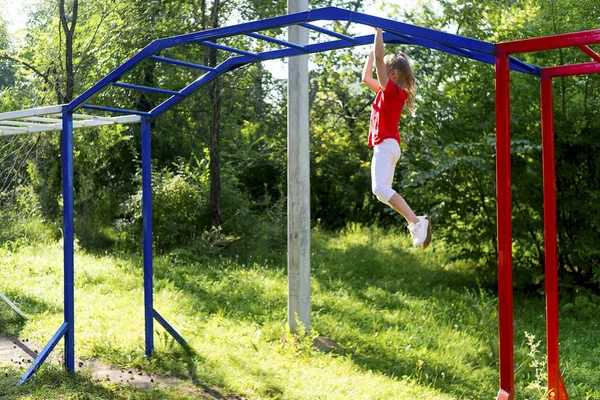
(21, 353)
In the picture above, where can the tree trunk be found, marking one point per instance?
(214, 89)
(69, 31)
(144, 102)
(563, 84)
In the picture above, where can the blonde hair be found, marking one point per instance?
(403, 65)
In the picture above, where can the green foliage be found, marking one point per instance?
(539, 374)
(180, 214)
(340, 159)
(7, 71)
(21, 220)
(430, 332)
(180, 210)
(449, 148)
(447, 167)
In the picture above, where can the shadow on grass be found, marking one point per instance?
(12, 323)
(398, 291)
(398, 280)
(52, 383)
(184, 363)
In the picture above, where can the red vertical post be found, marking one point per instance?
(550, 233)
(504, 220)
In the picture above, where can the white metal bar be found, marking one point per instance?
(12, 305)
(12, 128)
(30, 113)
(42, 119)
(78, 116)
(85, 116)
(126, 119)
(23, 123)
(32, 128)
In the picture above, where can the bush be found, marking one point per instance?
(21, 221)
(181, 217)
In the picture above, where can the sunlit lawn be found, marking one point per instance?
(408, 324)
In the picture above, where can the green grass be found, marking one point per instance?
(409, 324)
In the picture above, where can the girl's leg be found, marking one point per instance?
(383, 165)
(398, 203)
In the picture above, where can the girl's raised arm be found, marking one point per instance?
(367, 74)
(379, 50)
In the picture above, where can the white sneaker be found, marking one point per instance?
(421, 232)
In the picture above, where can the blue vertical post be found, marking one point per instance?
(68, 236)
(147, 216)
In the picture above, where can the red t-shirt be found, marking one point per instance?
(386, 112)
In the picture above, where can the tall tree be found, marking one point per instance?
(6, 69)
(68, 24)
(210, 20)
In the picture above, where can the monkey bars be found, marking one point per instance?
(64, 118)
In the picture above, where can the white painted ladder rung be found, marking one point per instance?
(42, 119)
(94, 117)
(30, 113)
(23, 123)
(12, 127)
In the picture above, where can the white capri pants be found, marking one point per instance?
(385, 156)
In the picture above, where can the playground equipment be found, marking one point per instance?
(12, 305)
(63, 118)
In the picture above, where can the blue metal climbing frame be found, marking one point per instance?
(394, 33)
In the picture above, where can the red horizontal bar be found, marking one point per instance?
(570, 70)
(550, 42)
(590, 52)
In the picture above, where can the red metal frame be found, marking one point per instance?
(590, 52)
(556, 385)
(550, 42)
(571, 70)
(504, 221)
(550, 234)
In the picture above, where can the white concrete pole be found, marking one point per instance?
(298, 179)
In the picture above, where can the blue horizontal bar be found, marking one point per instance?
(191, 88)
(459, 49)
(236, 62)
(117, 110)
(335, 13)
(276, 41)
(113, 76)
(237, 29)
(328, 32)
(529, 67)
(146, 88)
(411, 40)
(516, 64)
(39, 360)
(182, 63)
(161, 44)
(447, 42)
(231, 49)
(170, 329)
